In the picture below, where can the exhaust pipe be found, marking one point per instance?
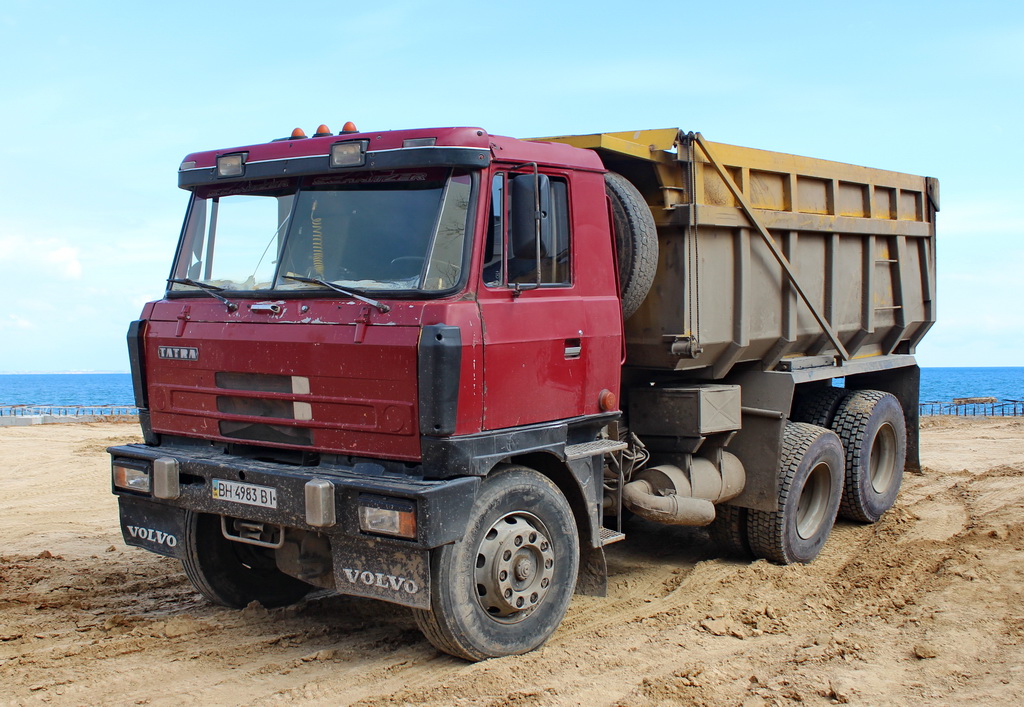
(667, 494)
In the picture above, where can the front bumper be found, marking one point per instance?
(363, 564)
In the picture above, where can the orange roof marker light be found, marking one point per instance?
(298, 133)
(349, 127)
(322, 131)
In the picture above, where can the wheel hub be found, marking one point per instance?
(882, 467)
(514, 567)
(812, 506)
(523, 568)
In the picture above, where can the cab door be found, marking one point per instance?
(535, 338)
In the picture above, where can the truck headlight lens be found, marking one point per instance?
(231, 165)
(348, 154)
(131, 478)
(387, 516)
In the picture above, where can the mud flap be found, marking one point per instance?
(152, 526)
(592, 579)
(371, 568)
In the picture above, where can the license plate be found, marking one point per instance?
(249, 494)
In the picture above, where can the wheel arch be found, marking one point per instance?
(579, 492)
(579, 481)
(905, 384)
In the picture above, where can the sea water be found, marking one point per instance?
(937, 385)
(66, 389)
(945, 384)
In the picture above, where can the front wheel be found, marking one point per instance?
(505, 586)
(231, 573)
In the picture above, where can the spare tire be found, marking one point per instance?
(636, 241)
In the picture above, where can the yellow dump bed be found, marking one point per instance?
(772, 258)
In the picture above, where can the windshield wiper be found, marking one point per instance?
(211, 290)
(324, 283)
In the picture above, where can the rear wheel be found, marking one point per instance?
(810, 486)
(234, 574)
(505, 586)
(818, 407)
(874, 433)
(729, 530)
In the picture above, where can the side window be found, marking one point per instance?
(556, 260)
(495, 248)
(532, 259)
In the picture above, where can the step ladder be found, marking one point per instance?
(598, 447)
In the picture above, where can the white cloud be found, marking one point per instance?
(65, 260)
(14, 323)
(44, 258)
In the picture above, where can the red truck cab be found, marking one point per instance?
(349, 367)
(357, 329)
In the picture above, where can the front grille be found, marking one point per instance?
(254, 382)
(281, 409)
(272, 434)
(256, 407)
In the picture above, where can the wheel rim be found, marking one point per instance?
(883, 459)
(515, 563)
(814, 500)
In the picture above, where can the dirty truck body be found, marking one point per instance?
(437, 367)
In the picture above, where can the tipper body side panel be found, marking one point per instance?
(859, 243)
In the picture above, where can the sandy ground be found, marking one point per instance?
(926, 607)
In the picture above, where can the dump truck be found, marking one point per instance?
(445, 369)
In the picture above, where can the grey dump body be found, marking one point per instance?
(776, 271)
(768, 258)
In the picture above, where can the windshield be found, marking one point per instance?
(394, 231)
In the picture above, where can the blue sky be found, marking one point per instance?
(101, 101)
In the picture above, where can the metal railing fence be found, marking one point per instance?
(1004, 408)
(1001, 408)
(67, 410)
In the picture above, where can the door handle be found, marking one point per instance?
(265, 308)
(573, 348)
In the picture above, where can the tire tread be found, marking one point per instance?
(766, 530)
(447, 633)
(729, 530)
(850, 423)
(637, 274)
(818, 407)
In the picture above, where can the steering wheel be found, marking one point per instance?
(408, 264)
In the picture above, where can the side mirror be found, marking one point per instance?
(530, 226)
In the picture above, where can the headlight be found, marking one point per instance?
(131, 478)
(231, 165)
(348, 154)
(387, 516)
